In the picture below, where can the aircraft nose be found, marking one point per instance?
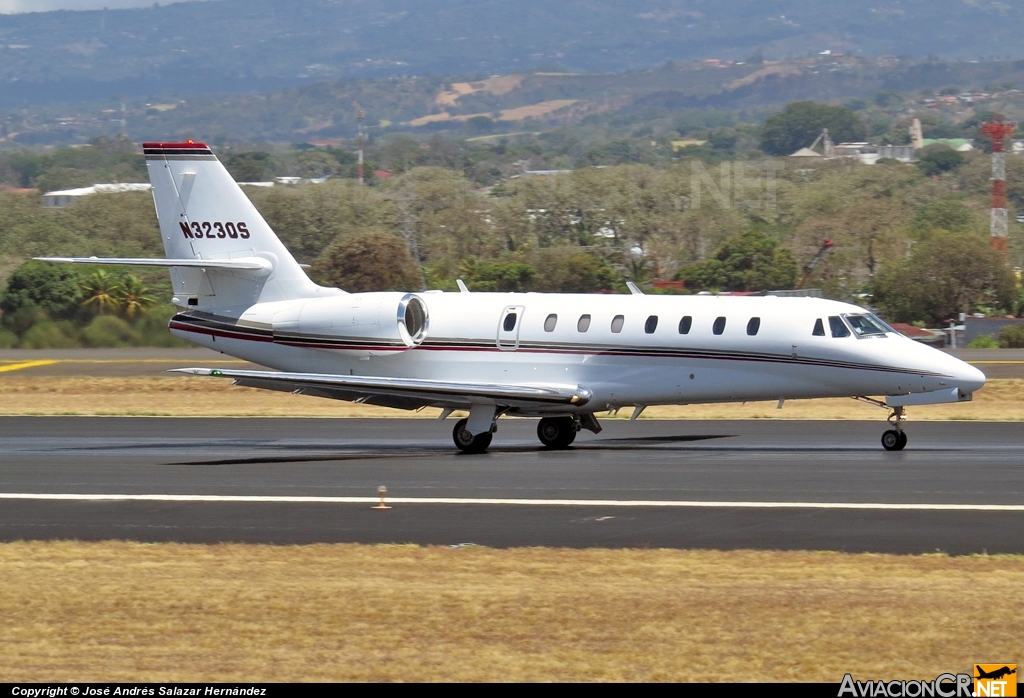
(968, 378)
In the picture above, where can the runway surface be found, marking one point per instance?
(757, 484)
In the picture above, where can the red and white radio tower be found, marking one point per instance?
(998, 130)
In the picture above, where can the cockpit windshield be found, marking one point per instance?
(867, 325)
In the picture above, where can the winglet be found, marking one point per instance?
(634, 289)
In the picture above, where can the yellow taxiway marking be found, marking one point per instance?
(45, 362)
(26, 364)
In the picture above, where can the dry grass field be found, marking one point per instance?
(1000, 400)
(126, 611)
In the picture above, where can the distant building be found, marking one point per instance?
(975, 327)
(60, 199)
(959, 144)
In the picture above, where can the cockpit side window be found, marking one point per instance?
(838, 327)
(819, 328)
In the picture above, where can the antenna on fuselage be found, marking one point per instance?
(462, 286)
(634, 289)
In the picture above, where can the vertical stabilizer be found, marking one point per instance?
(204, 214)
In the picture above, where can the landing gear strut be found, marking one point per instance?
(557, 432)
(465, 440)
(895, 439)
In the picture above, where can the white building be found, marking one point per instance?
(60, 199)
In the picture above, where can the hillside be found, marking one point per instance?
(326, 111)
(245, 45)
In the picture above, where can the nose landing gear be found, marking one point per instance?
(895, 439)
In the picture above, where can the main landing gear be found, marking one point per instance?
(557, 432)
(895, 439)
(465, 440)
(553, 432)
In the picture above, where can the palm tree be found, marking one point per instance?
(100, 291)
(133, 296)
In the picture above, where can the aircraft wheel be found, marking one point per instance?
(556, 432)
(466, 442)
(893, 440)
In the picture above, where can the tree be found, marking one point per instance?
(751, 261)
(37, 287)
(938, 159)
(944, 276)
(1012, 337)
(133, 297)
(570, 270)
(101, 292)
(510, 276)
(370, 261)
(253, 166)
(800, 123)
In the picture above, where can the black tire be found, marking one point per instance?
(893, 440)
(556, 432)
(466, 442)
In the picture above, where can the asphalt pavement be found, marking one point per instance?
(697, 484)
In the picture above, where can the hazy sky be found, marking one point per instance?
(13, 6)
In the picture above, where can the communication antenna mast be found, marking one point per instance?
(359, 118)
(124, 116)
(998, 130)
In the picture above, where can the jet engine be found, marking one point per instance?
(374, 323)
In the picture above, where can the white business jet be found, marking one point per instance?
(560, 357)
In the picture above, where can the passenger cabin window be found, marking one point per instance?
(719, 326)
(753, 326)
(819, 328)
(584, 323)
(685, 324)
(510, 322)
(651, 324)
(617, 323)
(838, 327)
(550, 322)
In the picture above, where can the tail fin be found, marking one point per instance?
(205, 215)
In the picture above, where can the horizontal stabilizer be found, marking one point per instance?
(407, 393)
(252, 264)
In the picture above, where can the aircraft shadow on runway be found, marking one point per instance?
(630, 443)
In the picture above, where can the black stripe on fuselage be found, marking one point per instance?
(204, 323)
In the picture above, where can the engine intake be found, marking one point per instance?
(413, 320)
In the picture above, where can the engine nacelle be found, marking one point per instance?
(373, 323)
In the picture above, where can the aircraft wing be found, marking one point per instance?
(403, 393)
(251, 264)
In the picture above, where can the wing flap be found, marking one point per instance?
(404, 393)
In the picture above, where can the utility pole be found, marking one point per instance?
(998, 130)
(359, 118)
(405, 199)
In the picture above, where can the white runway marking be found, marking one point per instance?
(664, 503)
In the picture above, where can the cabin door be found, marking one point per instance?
(509, 322)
